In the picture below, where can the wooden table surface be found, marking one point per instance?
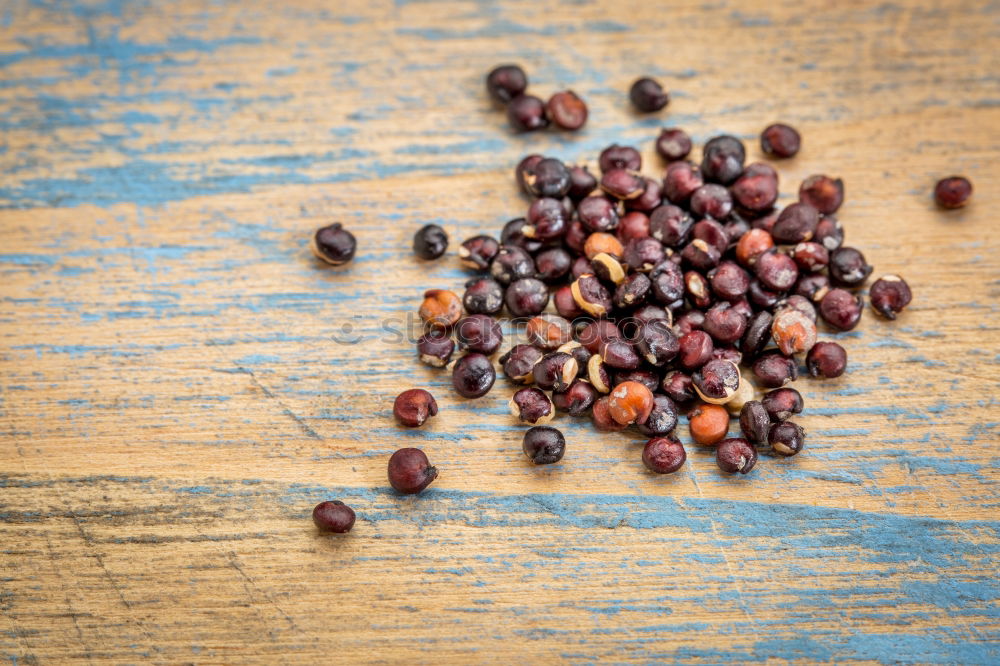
(175, 400)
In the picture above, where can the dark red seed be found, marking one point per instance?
(531, 405)
(656, 342)
(841, 309)
(725, 324)
(823, 193)
(796, 223)
(633, 226)
(547, 220)
(555, 372)
(848, 267)
(662, 419)
(697, 290)
(826, 359)
(576, 236)
(755, 422)
(435, 348)
(473, 375)
(544, 445)
(619, 354)
(334, 244)
(829, 233)
(735, 455)
(681, 180)
(670, 225)
(647, 378)
(649, 312)
(479, 333)
(511, 263)
(729, 281)
(800, 304)
(410, 471)
(722, 160)
(526, 113)
(664, 455)
(774, 369)
(810, 257)
(519, 363)
(730, 353)
(952, 192)
(523, 168)
(597, 213)
(577, 399)
(592, 296)
(597, 332)
(779, 140)
(813, 287)
(648, 95)
(717, 380)
(552, 265)
(712, 200)
(776, 271)
(700, 255)
(565, 303)
(786, 438)
(780, 404)
(642, 254)
(526, 297)
(430, 242)
(650, 198)
(506, 82)
(668, 283)
(679, 387)
(762, 297)
(619, 157)
(889, 295)
(695, 350)
(673, 144)
(582, 182)
(548, 177)
(483, 296)
(512, 235)
(712, 233)
(632, 292)
(567, 110)
(623, 184)
(412, 408)
(477, 252)
(757, 188)
(334, 516)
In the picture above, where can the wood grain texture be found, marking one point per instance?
(175, 399)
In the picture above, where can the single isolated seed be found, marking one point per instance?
(567, 110)
(526, 113)
(544, 445)
(673, 144)
(953, 192)
(506, 82)
(780, 140)
(412, 408)
(708, 424)
(735, 455)
(410, 471)
(430, 242)
(823, 193)
(780, 404)
(648, 95)
(826, 359)
(473, 375)
(755, 422)
(441, 308)
(786, 438)
(722, 159)
(334, 244)
(477, 252)
(664, 455)
(435, 348)
(532, 406)
(333, 516)
(889, 295)
(630, 402)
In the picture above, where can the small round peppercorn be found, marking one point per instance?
(519, 362)
(601, 415)
(722, 160)
(532, 406)
(952, 192)
(712, 200)
(648, 95)
(735, 455)
(544, 445)
(774, 369)
(555, 371)
(479, 333)
(435, 348)
(526, 297)
(793, 331)
(724, 323)
(662, 419)
(681, 180)
(757, 335)
(823, 193)
(673, 144)
(505, 82)
(826, 359)
(776, 271)
(796, 223)
(483, 296)
(889, 295)
(619, 157)
(477, 252)
(848, 267)
(410, 471)
(756, 189)
(708, 424)
(623, 184)
(526, 113)
(591, 296)
(581, 182)
(829, 233)
(780, 140)
(664, 455)
(780, 404)
(566, 110)
(430, 242)
(473, 375)
(717, 381)
(841, 309)
(548, 331)
(695, 350)
(755, 422)
(441, 308)
(630, 402)
(577, 399)
(333, 516)
(752, 245)
(786, 438)
(678, 387)
(334, 244)
(412, 408)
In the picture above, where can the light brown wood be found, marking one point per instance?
(175, 402)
